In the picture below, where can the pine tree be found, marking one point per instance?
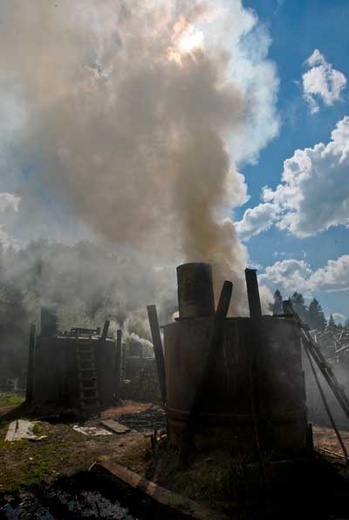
(331, 322)
(299, 307)
(276, 307)
(316, 318)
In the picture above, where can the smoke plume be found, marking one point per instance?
(138, 113)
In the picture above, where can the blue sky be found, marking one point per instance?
(296, 29)
(67, 163)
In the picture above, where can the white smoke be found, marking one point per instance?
(138, 113)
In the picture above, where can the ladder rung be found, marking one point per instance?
(92, 387)
(89, 397)
(87, 365)
(91, 407)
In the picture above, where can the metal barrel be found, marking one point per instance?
(195, 290)
(256, 389)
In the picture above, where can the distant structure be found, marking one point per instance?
(77, 372)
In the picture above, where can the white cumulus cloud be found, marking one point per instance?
(334, 276)
(257, 219)
(287, 275)
(296, 275)
(313, 195)
(321, 82)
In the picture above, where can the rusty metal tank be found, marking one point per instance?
(256, 393)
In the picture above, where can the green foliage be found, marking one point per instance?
(312, 315)
(316, 318)
(331, 322)
(276, 307)
(299, 306)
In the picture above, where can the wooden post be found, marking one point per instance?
(118, 363)
(105, 329)
(159, 355)
(123, 360)
(253, 293)
(30, 371)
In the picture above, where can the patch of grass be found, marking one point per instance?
(26, 463)
(10, 399)
(134, 456)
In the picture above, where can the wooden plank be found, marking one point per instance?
(115, 426)
(11, 432)
(174, 505)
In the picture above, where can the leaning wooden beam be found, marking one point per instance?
(216, 342)
(159, 354)
(105, 329)
(30, 370)
(162, 502)
(327, 408)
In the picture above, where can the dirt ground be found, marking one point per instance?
(64, 452)
(326, 439)
(24, 464)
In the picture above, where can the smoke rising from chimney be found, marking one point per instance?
(137, 120)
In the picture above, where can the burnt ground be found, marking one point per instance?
(50, 476)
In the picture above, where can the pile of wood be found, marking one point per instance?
(334, 343)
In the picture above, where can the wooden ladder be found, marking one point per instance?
(88, 383)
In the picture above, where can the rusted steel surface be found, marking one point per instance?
(195, 290)
(214, 347)
(277, 380)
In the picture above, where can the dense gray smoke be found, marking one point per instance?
(132, 113)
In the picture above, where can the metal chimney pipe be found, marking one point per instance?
(195, 290)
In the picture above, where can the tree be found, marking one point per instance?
(331, 322)
(299, 307)
(316, 318)
(276, 307)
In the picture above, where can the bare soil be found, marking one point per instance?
(65, 451)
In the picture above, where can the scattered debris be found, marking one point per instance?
(22, 429)
(91, 431)
(150, 419)
(115, 426)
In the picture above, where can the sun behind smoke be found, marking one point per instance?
(186, 40)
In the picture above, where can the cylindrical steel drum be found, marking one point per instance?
(256, 388)
(195, 290)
